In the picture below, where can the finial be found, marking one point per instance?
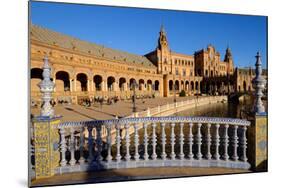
(46, 87)
(258, 84)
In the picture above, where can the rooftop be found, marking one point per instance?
(71, 43)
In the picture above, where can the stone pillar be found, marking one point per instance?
(75, 84)
(258, 130)
(70, 85)
(257, 147)
(46, 136)
(88, 85)
(115, 86)
(46, 144)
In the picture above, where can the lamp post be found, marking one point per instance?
(134, 96)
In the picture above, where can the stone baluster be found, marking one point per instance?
(118, 143)
(163, 155)
(136, 156)
(145, 140)
(181, 141)
(72, 147)
(81, 148)
(173, 155)
(209, 142)
(217, 142)
(235, 143)
(244, 144)
(226, 141)
(190, 141)
(127, 139)
(62, 147)
(99, 142)
(199, 141)
(90, 144)
(109, 156)
(154, 140)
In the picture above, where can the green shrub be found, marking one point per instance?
(182, 93)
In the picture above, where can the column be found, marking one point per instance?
(88, 85)
(75, 84)
(70, 84)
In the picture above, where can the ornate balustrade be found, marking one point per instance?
(162, 141)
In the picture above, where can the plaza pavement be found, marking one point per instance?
(133, 174)
(98, 112)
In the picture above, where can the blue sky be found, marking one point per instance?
(136, 30)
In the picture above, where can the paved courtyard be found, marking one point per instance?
(133, 174)
(98, 112)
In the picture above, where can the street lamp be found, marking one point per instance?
(134, 96)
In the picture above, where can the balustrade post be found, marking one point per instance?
(154, 140)
(99, 142)
(199, 141)
(225, 140)
(163, 155)
(209, 141)
(244, 144)
(90, 144)
(109, 156)
(136, 156)
(127, 139)
(190, 141)
(82, 159)
(118, 143)
(181, 141)
(173, 155)
(145, 140)
(62, 147)
(217, 142)
(235, 143)
(72, 147)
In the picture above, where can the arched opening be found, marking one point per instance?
(171, 85)
(110, 83)
(141, 85)
(206, 72)
(244, 86)
(249, 88)
(192, 86)
(196, 86)
(212, 73)
(239, 88)
(98, 82)
(177, 85)
(156, 87)
(132, 83)
(36, 77)
(149, 85)
(82, 82)
(62, 81)
(122, 84)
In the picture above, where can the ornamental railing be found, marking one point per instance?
(162, 141)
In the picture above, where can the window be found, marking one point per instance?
(177, 71)
(191, 73)
(184, 72)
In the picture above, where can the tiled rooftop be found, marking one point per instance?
(64, 41)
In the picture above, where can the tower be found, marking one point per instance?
(164, 62)
(228, 59)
